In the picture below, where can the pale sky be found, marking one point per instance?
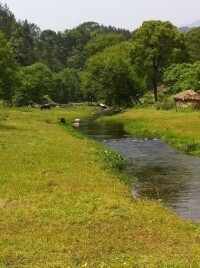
(59, 15)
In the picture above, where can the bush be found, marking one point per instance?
(113, 160)
(166, 103)
(148, 99)
(116, 110)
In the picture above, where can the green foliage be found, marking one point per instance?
(182, 76)
(67, 86)
(165, 103)
(8, 71)
(110, 77)
(101, 42)
(192, 39)
(36, 81)
(49, 50)
(80, 41)
(7, 20)
(25, 37)
(148, 99)
(113, 160)
(92, 62)
(157, 45)
(116, 109)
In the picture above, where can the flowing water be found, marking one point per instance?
(161, 171)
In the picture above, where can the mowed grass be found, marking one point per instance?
(180, 129)
(61, 206)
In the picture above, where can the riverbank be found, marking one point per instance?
(179, 129)
(61, 206)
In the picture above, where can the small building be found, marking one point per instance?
(187, 98)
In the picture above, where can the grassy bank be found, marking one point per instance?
(61, 206)
(180, 129)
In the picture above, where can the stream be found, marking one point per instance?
(161, 172)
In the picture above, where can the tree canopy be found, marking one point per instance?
(157, 45)
(184, 76)
(8, 71)
(101, 42)
(36, 81)
(192, 39)
(7, 20)
(67, 86)
(110, 76)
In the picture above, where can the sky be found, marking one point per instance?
(59, 15)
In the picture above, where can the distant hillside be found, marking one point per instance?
(184, 29)
(194, 24)
(188, 27)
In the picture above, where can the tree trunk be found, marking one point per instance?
(155, 92)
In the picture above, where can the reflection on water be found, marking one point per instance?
(102, 130)
(161, 172)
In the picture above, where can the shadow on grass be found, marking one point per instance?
(4, 127)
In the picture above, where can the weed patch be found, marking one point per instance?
(113, 160)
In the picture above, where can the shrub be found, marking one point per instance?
(113, 160)
(167, 103)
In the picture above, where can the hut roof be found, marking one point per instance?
(187, 95)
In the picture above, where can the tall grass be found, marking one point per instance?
(62, 206)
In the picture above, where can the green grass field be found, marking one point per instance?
(61, 205)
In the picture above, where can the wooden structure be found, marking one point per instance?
(187, 98)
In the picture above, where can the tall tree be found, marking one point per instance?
(179, 77)
(49, 50)
(102, 41)
(74, 42)
(109, 76)
(193, 44)
(8, 71)
(67, 86)
(26, 36)
(157, 45)
(36, 81)
(7, 20)
(76, 39)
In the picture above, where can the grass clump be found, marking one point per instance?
(60, 207)
(113, 160)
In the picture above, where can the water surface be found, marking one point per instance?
(161, 171)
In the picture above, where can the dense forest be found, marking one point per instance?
(94, 63)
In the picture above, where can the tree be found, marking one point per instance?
(102, 41)
(75, 40)
(7, 20)
(50, 50)
(179, 77)
(67, 86)
(8, 71)
(36, 81)
(192, 39)
(109, 76)
(157, 45)
(25, 39)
